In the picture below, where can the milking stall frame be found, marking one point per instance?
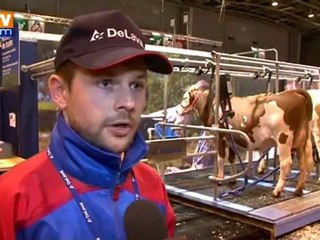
(277, 218)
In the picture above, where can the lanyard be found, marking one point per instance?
(93, 229)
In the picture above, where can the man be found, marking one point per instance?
(82, 185)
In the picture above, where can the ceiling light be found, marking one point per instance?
(310, 15)
(275, 3)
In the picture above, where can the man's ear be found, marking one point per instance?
(58, 91)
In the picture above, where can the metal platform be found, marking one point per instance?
(255, 206)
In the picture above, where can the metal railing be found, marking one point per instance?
(216, 131)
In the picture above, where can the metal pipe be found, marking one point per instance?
(226, 66)
(277, 83)
(25, 68)
(48, 65)
(299, 48)
(246, 57)
(267, 60)
(41, 74)
(180, 51)
(229, 57)
(191, 11)
(58, 8)
(244, 72)
(215, 130)
(162, 15)
(282, 69)
(186, 61)
(253, 61)
(283, 74)
(261, 50)
(197, 138)
(190, 155)
(216, 107)
(165, 101)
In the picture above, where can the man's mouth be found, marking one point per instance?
(121, 125)
(120, 129)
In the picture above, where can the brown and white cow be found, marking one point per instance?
(281, 120)
(315, 125)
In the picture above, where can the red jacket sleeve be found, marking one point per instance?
(171, 217)
(7, 210)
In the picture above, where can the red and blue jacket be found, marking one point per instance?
(35, 203)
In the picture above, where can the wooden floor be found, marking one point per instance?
(290, 207)
(255, 204)
(291, 214)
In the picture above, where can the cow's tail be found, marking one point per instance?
(308, 150)
(308, 162)
(309, 103)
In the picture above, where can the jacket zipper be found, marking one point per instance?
(116, 195)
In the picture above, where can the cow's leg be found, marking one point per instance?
(262, 164)
(231, 158)
(305, 165)
(221, 157)
(285, 163)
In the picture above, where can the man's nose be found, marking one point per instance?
(125, 100)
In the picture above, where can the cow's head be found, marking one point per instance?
(191, 97)
(189, 100)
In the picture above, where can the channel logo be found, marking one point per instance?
(6, 24)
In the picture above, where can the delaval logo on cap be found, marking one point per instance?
(113, 33)
(97, 36)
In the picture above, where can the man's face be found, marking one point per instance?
(105, 107)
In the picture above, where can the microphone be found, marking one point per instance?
(144, 221)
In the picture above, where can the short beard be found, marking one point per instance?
(92, 137)
(83, 132)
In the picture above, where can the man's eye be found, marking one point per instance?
(105, 83)
(138, 85)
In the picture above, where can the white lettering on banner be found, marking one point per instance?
(112, 32)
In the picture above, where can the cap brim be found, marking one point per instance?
(106, 58)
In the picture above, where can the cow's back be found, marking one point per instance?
(296, 104)
(264, 116)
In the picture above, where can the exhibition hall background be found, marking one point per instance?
(238, 34)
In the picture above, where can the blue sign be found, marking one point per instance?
(7, 32)
(11, 59)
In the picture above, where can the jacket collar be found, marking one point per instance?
(88, 163)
